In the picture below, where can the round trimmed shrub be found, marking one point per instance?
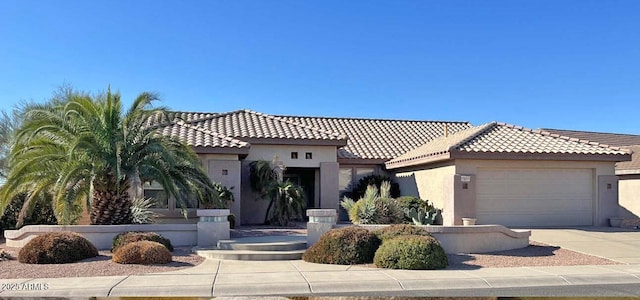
(411, 252)
(57, 248)
(142, 252)
(393, 231)
(134, 236)
(344, 246)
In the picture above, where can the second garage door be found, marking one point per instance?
(535, 197)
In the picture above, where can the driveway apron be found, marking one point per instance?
(617, 244)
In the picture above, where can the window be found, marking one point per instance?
(164, 201)
(363, 172)
(159, 196)
(345, 176)
(225, 172)
(294, 155)
(308, 155)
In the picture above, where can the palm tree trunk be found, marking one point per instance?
(111, 203)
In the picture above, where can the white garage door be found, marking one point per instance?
(535, 197)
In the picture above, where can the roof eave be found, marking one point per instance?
(418, 161)
(285, 141)
(540, 156)
(221, 150)
(628, 172)
(362, 161)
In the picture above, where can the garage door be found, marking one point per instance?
(535, 197)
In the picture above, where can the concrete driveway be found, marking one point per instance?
(622, 245)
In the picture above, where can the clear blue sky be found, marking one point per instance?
(562, 64)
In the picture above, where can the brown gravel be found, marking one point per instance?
(97, 266)
(537, 254)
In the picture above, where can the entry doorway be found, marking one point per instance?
(306, 178)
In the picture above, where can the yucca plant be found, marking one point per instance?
(374, 207)
(141, 212)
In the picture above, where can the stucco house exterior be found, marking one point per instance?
(495, 172)
(513, 176)
(628, 172)
(323, 155)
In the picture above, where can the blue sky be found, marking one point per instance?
(562, 64)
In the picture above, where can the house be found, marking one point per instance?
(326, 156)
(628, 172)
(495, 172)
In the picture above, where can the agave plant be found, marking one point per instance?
(141, 212)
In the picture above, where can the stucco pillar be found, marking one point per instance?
(460, 199)
(212, 227)
(320, 221)
(607, 200)
(228, 173)
(329, 197)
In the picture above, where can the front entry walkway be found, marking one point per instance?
(617, 244)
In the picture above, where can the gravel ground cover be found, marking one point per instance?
(537, 254)
(97, 266)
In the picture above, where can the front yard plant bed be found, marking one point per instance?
(57, 248)
(400, 249)
(344, 246)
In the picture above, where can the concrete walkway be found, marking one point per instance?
(250, 278)
(264, 278)
(617, 244)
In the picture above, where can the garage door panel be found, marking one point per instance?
(535, 197)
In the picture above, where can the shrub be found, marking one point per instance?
(41, 214)
(374, 207)
(393, 231)
(142, 252)
(133, 236)
(409, 202)
(57, 248)
(411, 252)
(375, 180)
(343, 246)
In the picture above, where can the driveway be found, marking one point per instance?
(622, 245)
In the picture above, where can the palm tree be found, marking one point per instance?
(288, 201)
(84, 148)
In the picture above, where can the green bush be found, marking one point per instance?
(343, 246)
(411, 252)
(57, 248)
(133, 236)
(142, 252)
(42, 214)
(393, 231)
(408, 202)
(375, 180)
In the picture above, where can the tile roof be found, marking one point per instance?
(376, 138)
(253, 125)
(629, 141)
(200, 137)
(630, 167)
(614, 139)
(502, 138)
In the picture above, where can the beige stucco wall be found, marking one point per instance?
(319, 153)
(629, 196)
(324, 158)
(427, 182)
